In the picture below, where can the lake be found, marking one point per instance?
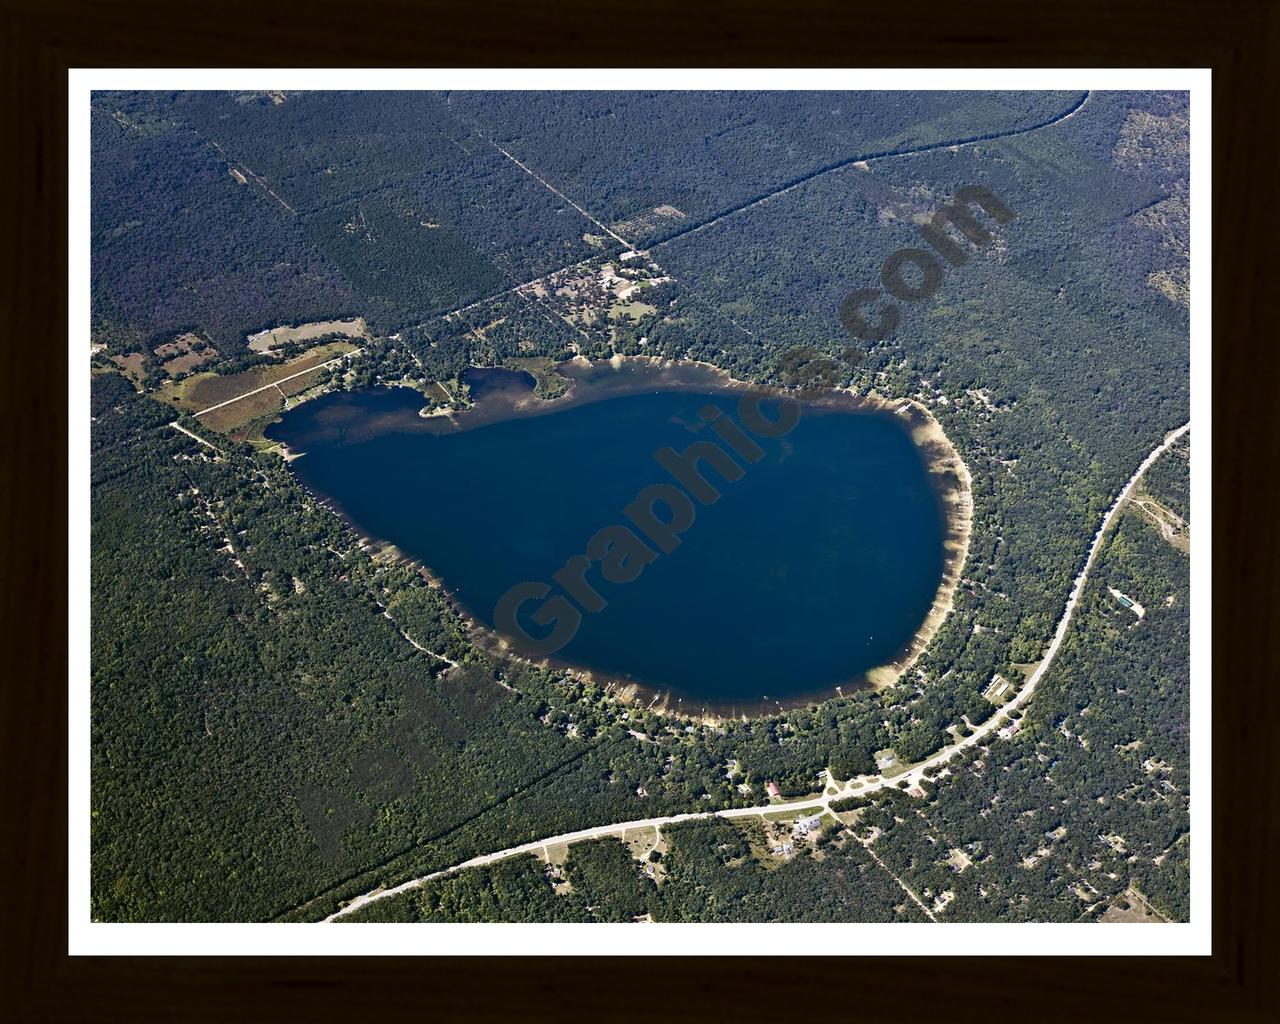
(818, 563)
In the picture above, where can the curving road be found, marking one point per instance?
(716, 218)
(859, 786)
(866, 158)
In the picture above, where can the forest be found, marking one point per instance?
(266, 736)
(1088, 802)
(269, 741)
(692, 155)
(232, 212)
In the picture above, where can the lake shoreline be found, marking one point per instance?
(590, 382)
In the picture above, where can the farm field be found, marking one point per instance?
(203, 391)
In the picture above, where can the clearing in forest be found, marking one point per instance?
(202, 392)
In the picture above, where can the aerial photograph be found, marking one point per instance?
(639, 507)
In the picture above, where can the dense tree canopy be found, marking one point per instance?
(270, 737)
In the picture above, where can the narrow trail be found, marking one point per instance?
(196, 437)
(901, 884)
(257, 179)
(475, 127)
(754, 201)
(853, 787)
(404, 633)
(537, 177)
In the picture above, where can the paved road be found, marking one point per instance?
(275, 383)
(866, 158)
(1001, 718)
(716, 218)
(853, 787)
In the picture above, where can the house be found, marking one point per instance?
(772, 789)
(1128, 602)
(1010, 730)
(806, 825)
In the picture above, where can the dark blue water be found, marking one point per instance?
(483, 381)
(815, 566)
